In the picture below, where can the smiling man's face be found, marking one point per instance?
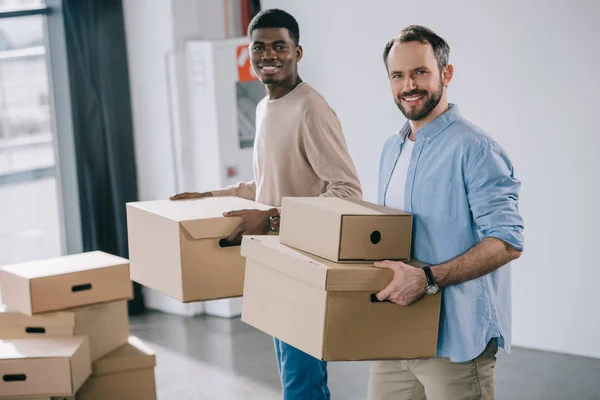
(274, 55)
(415, 79)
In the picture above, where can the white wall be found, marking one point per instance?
(526, 71)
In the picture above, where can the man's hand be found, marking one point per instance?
(254, 222)
(407, 286)
(190, 195)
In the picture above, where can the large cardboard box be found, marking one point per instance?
(49, 367)
(178, 247)
(345, 230)
(40, 398)
(127, 373)
(325, 309)
(65, 282)
(106, 325)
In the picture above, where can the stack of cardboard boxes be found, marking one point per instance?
(314, 287)
(64, 331)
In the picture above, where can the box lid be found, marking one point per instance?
(316, 271)
(64, 265)
(344, 206)
(201, 218)
(61, 318)
(17, 349)
(133, 356)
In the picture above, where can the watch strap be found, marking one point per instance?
(429, 276)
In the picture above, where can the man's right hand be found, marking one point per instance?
(190, 195)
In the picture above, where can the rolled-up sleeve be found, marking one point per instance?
(493, 194)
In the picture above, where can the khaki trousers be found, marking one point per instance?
(435, 378)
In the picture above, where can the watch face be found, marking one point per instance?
(432, 289)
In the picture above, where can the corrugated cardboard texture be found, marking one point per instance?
(392, 234)
(66, 282)
(345, 230)
(209, 270)
(332, 319)
(316, 271)
(154, 252)
(126, 373)
(132, 356)
(44, 366)
(15, 325)
(28, 398)
(132, 385)
(284, 307)
(356, 329)
(174, 247)
(300, 219)
(106, 325)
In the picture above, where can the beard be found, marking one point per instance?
(417, 114)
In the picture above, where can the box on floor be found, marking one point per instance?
(325, 309)
(106, 325)
(126, 373)
(42, 367)
(65, 282)
(179, 249)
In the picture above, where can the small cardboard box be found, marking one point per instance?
(106, 326)
(61, 283)
(178, 247)
(127, 373)
(345, 230)
(325, 309)
(44, 367)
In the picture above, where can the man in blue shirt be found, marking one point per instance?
(460, 186)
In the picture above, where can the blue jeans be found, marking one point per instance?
(303, 377)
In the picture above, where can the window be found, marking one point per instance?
(30, 226)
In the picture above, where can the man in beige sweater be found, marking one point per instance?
(299, 151)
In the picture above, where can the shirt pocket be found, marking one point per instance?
(439, 202)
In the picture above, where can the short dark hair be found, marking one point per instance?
(275, 18)
(418, 33)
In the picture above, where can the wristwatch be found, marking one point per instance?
(432, 286)
(274, 220)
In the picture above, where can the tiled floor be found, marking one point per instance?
(214, 358)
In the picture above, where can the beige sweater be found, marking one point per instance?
(299, 151)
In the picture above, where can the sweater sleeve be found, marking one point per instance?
(327, 152)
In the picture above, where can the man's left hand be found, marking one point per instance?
(407, 286)
(254, 222)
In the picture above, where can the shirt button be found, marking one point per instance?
(428, 139)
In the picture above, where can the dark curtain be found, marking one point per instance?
(97, 58)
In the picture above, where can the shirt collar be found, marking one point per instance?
(435, 127)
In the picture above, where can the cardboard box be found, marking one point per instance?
(345, 230)
(106, 326)
(40, 398)
(178, 247)
(325, 309)
(65, 282)
(127, 373)
(49, 367)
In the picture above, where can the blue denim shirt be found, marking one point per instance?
(460, 188)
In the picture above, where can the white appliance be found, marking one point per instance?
(193, 104)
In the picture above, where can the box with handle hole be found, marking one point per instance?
(179, 248)
(345, 230)
(329, 310)
(50, 367)
(106, 325)
(62, 283)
